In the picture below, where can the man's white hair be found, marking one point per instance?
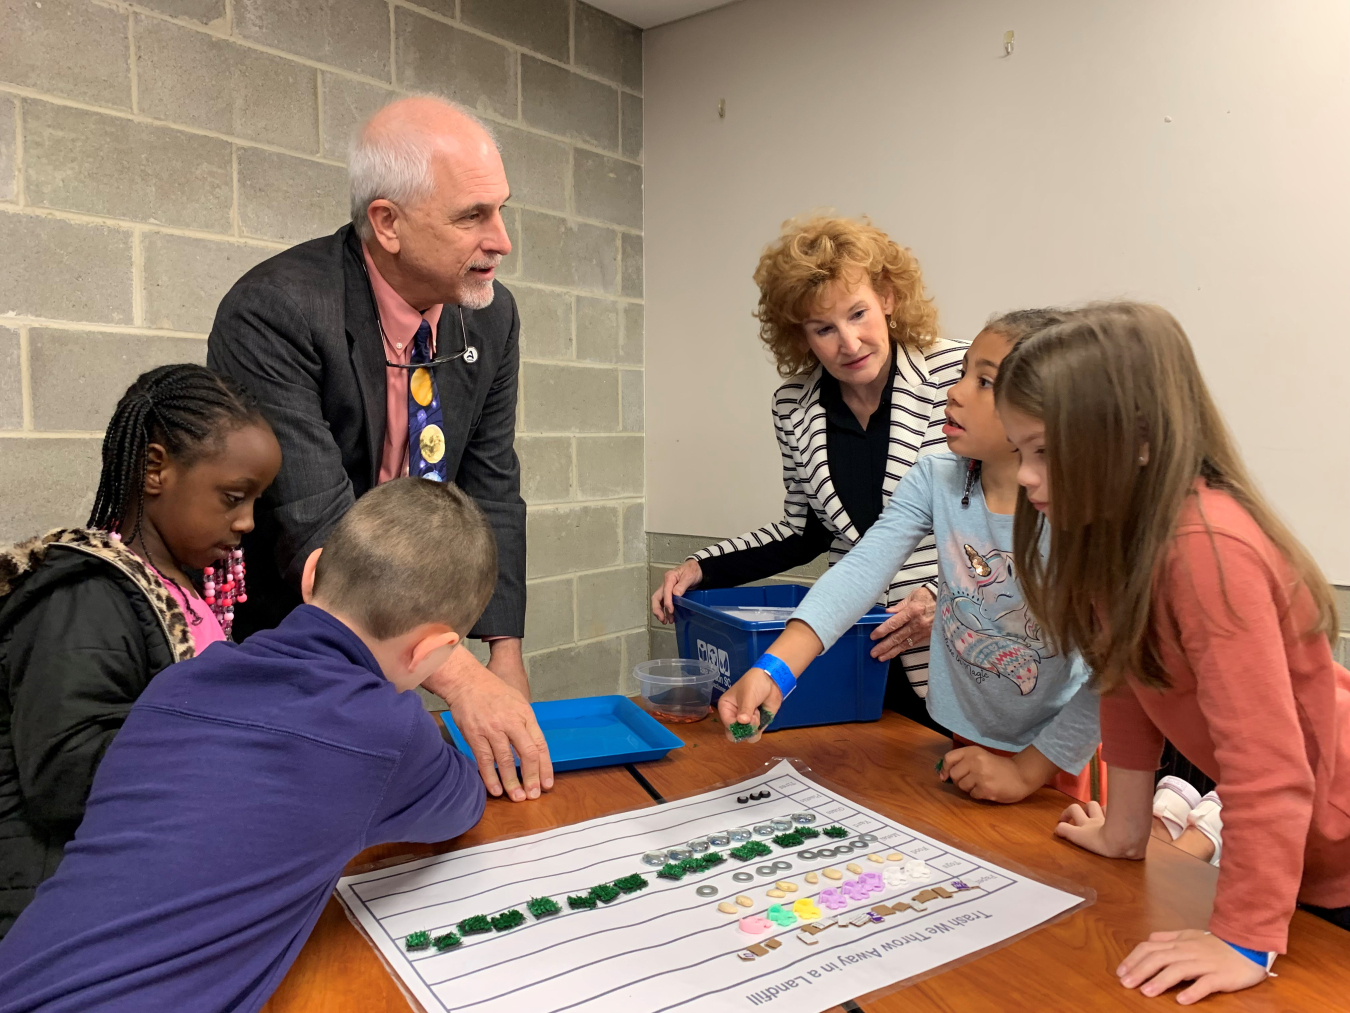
(394, 165)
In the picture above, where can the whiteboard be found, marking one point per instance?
(666, 947)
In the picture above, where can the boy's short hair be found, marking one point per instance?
(410, 551)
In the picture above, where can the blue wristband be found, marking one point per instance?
(1262, 957)
(778, 671)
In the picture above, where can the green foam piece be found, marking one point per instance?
(474, 925)
(631, 884)
(789, 840)
(542, 907)
(749, 850)
(672, 871)
(582, 902)
(507, 920)
(446, 942)
(835, 831)
(605, 893)
(780, 915)
(806, 833)
(417, 941)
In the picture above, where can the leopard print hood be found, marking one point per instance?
(19, 560)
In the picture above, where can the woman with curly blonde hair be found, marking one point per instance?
(843, 310)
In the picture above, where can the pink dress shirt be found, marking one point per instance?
(400, 322)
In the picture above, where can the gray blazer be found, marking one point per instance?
(299, 331)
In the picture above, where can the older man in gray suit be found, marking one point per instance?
(389, 349)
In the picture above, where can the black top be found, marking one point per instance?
(857, 459)
(79, 642)
(299, 332)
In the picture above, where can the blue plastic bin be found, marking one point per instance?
(843, 684)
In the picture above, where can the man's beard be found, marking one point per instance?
(477, 294)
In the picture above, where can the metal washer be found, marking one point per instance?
(706, 890)
(742, 877)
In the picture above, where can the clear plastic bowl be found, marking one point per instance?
(676, 690)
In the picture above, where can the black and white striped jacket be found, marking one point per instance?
(918, 399)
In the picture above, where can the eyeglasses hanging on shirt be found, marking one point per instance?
(468, 353)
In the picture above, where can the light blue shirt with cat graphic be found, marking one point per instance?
(992, 678)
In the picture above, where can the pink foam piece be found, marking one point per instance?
(754, 924)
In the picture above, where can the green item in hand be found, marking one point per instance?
(743, 731)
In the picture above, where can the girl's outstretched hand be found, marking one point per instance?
(742, 702)
(1210, 964)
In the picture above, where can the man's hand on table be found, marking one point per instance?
(507, 663)
(493, 717)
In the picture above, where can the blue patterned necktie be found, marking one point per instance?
(426, 439)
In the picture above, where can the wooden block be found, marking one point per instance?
(772, 944)
(943, 892)
(808, 938)
(746, 955)
(883, 910)
(757, 949)
(924, 896)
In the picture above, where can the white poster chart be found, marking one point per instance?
(689, 943)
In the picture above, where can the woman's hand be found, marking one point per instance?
(908, 627)
(741, 703)
(1189, 955)
(677, 581)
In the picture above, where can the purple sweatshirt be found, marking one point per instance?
(220, 820)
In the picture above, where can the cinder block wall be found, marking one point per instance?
(150, 153)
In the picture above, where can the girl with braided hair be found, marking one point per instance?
(88, 616)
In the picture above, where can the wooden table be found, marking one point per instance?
(888, 766)
(338, 971)
(1069, 965)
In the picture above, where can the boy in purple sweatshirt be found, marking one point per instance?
(244, 779)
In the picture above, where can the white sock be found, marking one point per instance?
(1172, 803)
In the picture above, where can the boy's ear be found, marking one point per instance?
(432, 642)
(307, 575)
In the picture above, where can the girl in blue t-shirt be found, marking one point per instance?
(1021, 714)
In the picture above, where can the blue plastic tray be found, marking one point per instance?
(593, 731)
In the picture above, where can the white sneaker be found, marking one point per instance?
(1207, 817)
(1172, 803)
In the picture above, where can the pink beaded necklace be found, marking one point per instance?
(232, 589)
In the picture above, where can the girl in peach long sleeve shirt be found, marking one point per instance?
(1203, 619)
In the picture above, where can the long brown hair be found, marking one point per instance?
(1116, 383)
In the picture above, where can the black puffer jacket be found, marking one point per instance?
(84, 626)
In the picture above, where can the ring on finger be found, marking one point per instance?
(909, 641)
